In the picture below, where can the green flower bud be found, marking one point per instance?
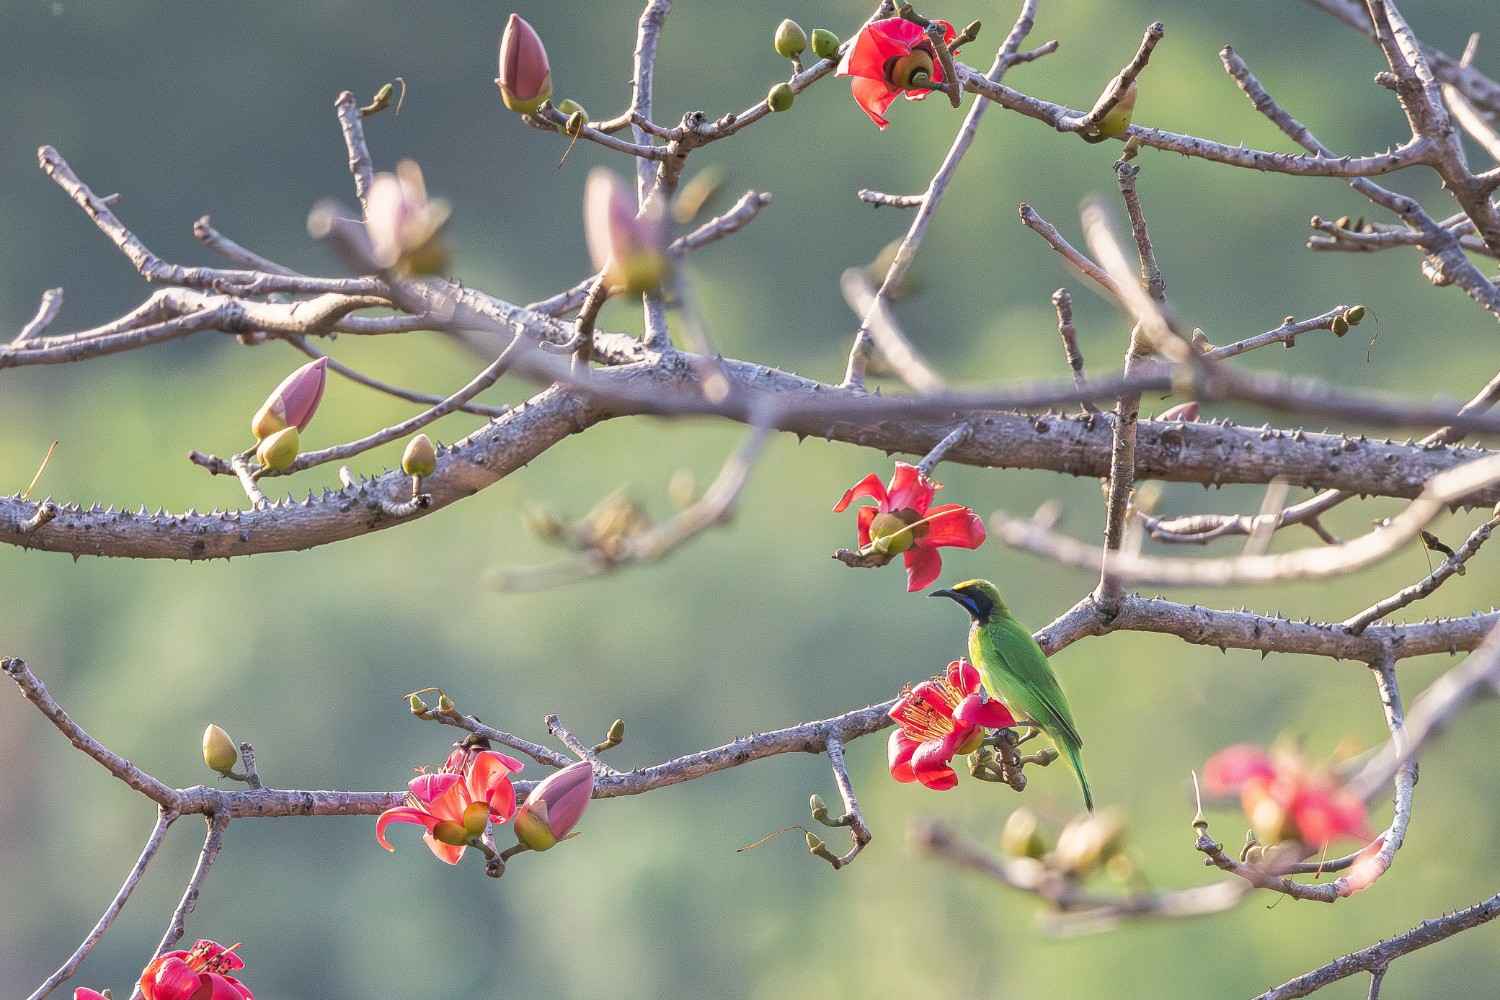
(780, 97)
(218, 750)
(1354, 314)
(1339, 326)
(420, 457)
(889, 534)
(451, 833)
(531, 827)
(417, 705)
(818, 807)
(445, 703)
(279, 451)
(616, 732)
(1116, 122)
(1022, 835)
(789, 40)
(476, 817)
(825, 44)
(567, 107)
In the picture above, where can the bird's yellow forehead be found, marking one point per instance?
(967, 585)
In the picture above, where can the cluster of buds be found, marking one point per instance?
(1346, 320)
(1087, 843)
(628, 247)
(403, 224)
(606, 529)
(790, 42)
(285, 414)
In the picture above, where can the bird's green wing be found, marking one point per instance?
(1026, 677)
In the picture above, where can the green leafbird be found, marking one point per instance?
(1014, 668)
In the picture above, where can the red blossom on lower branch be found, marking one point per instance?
(1284, 797)
(892, 57)
(903, 520)
(201, 973)
(939, 719)
(456, 803)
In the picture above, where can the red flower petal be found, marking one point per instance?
(446, 853)
(991, 714)
(401, 814)
(488, 781)
(930, 764)
(864, 517)
(874, 98)
(225, 988)
(876, 44)
(427, 787)
(174, 980)
(1228, 770)
(870, 486)
(910, 489)
(955, 525)
(929, 692)
(963, 675)
(923, 565)
(899, 751)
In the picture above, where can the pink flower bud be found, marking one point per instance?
(403, 223)
(525, 79)
(84, 993)
(554, 806)
(1185, 412)
(293, 402)
(628, 247)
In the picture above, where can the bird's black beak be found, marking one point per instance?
(952, 595)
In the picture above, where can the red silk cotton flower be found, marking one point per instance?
(199, 974)
(939, 719)
(904, 521)
(472, 789)
(892, 57)
(1284, 798)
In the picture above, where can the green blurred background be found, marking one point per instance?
(227, 109)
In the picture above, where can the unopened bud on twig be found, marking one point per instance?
(1022, 835)
(403, 224)
(825, 44)
(780, 97)
(525, 79)
(416, 704)
(1116, 122)
(279, 451)
(218, 750)
(293, 402)
(790, 41)
(420, 457)
(567, 107)
(629, 248)
(445, 703)
(819, 808)
(554, 806)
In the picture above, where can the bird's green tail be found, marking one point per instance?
(1075, 758)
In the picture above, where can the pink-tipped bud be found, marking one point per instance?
(554, 806)
(629, 247)
(525, 79)
(403, 224)
(293, 402)
(1185, 412)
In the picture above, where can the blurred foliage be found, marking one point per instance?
(193, 108)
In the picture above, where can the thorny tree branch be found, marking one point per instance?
(1438, 94)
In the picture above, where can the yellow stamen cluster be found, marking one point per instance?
(920, 721)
